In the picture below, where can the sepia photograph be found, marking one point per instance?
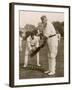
(39, 44)
(43, 31)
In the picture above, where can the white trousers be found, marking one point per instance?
(52, 52)
(27, 55)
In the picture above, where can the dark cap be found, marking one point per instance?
(42, 17)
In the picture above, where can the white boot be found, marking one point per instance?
(51, 73)
(47, 71)
(25, 65)
(39, 65)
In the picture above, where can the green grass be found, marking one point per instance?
(32, 71)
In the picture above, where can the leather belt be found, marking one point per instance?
(52, 35)
(32, 45)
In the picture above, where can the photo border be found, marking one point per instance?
(11, 43)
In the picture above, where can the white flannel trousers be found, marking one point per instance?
(52, 52)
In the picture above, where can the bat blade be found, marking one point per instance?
(37, 50)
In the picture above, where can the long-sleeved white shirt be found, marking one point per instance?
(48, 30)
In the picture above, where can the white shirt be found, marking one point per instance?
(49, 30)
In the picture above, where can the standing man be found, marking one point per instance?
(52, 41)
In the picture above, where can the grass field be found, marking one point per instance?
(32, 71)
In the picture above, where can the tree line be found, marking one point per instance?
(59, 27)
